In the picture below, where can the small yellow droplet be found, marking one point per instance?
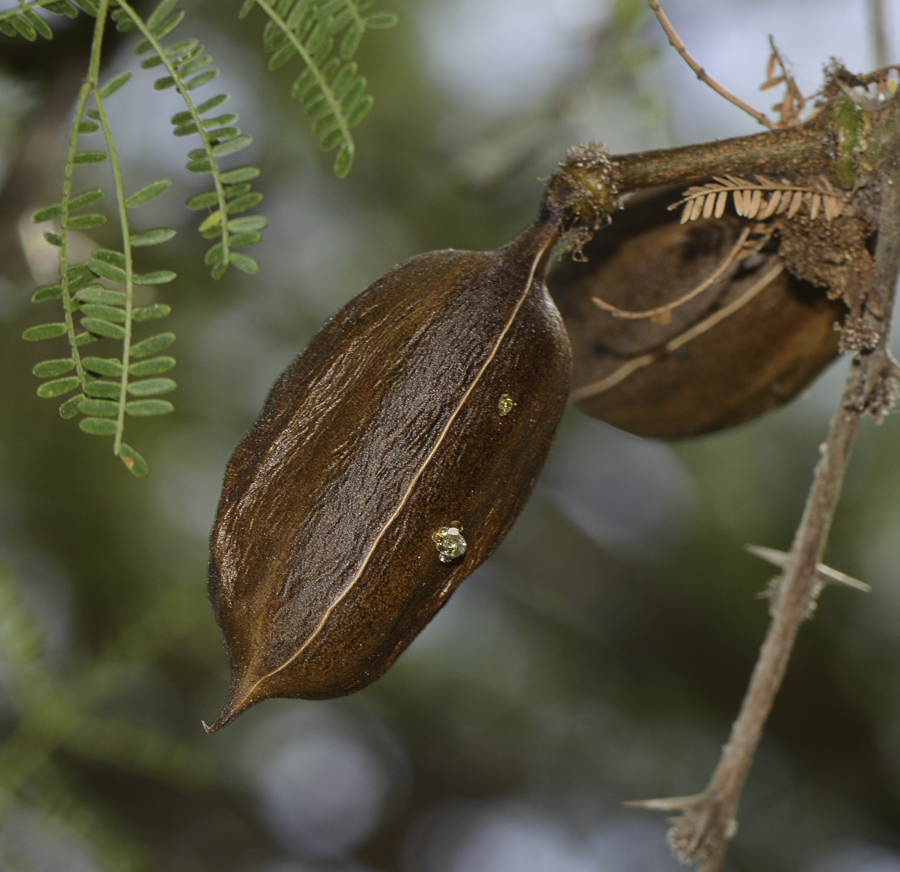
(505, 405)
(449, 542)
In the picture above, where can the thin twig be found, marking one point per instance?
(794, 101)
(679, 46)
(878, 25)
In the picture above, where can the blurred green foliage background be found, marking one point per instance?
(598, 657)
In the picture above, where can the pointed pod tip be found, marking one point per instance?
(239, 701)
(228, 715)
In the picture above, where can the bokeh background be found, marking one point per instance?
(600, 656)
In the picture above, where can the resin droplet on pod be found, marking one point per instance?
(450, 543)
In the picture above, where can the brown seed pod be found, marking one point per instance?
(389, 461)
(747, 343)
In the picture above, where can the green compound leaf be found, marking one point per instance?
(243, 204)
(106, 313)
(154, 366)
(24, 28)
(381, 20)
(51, 368)
(47, 213)
(102, 365)
(133, 461)
(360, 110)
(243, 240)
(38, 23)
(150, 313)
(344, 161)
(230, 146)
(103, 390)
(116, 258)
(84, 222)
(233, 191)
(160, 14)
(151, 387)
(58, 387)
(88, 198)
(70, 408)
(186, 129)
(187, 66)
(202, 79)
(90, 157)
(98, 426)
(44, 331)
(148, 192)
(219, 269)
(244, 263)
(212, 103)
(169, 25)
(240, 174)
(332, 94)
(194, 65)
(148, 408)
(206, 200)
(247, 225)
(152, 237)
(112, 86)
(152, 345)
(49, 292)
(100, 408)
(199, 166)
(214, 254)
(103, 328)
(107, 271)
(160, 277)
(123, 21)
(97, 294)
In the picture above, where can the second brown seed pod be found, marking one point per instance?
(748, 343)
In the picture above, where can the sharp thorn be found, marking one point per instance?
(675, 803)
(827, 575)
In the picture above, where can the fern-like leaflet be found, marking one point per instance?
(186, 68)
(99, 293)
(330, 89)
(26, 22)
(111, 388)
(761, 199)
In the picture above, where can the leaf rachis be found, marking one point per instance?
(205, 138)
(129, 267)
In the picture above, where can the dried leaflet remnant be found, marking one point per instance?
(324, 566)
(746, 344)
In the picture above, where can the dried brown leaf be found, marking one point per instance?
(721, 202)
